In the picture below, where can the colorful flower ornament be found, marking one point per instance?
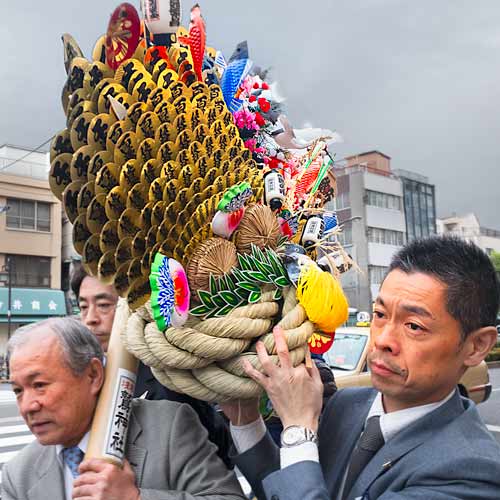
(225, 223)
(231, 210)
(169, 292)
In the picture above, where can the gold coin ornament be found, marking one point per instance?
(60, 173)
(96, 214)
(61, 143)
(81, 233)
(91, 255)
(106, 268)
(108, 238)
(70, 199)
(98, 130)
(80, 163)
(85, 195)
(187, 193)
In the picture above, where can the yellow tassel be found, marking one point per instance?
(322, 297)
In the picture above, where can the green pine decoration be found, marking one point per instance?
(242, 285)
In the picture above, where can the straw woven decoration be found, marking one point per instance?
(215, 257)
(258, 226)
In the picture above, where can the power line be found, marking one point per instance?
(26, 155)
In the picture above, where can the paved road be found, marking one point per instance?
(14, 434)
(490, 411)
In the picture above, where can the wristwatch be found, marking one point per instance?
(294, 435)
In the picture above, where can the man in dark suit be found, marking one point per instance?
(97, 304)
(411, 437)
(57, 374)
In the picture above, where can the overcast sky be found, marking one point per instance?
(419, 81)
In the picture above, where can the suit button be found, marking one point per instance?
(275, 497)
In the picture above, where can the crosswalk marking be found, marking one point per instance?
(14, 436)
(15, 440)
(7, 397)
(493, 428)
(9, 420)
(13, 429)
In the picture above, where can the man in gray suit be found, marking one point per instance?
(412, 436)
(57, 374)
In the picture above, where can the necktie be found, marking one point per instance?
(369, 443)
(72, 457)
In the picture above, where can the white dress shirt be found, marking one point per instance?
(68, 476)
(247, 436)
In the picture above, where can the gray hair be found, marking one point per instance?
(78, 344)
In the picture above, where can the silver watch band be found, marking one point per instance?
(295, 435)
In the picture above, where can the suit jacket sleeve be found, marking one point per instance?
(194, 470)
(261, 467)
(8, 492)
(302, 481)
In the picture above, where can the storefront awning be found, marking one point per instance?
(31, 304)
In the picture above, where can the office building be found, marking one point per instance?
(369, 204)
(419, 201)
(30, 241)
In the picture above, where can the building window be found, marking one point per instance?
(28, 214)
(384, 200)
(377, 274)
(345, 236)
(419, 209)
(30, 271)
(385, 236)
(342, 200)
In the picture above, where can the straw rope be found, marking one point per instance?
(204, 357)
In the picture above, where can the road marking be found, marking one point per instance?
(7, 397)
(15, 440)
(8, 420)
(18, 440)
(7, 455)
(496, 390)
(13, 429)
(493, 428)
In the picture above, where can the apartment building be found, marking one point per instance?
(371, 203)
(468, 227)
(30, 241)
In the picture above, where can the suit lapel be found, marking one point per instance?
(405, 441)
(135, 454)
(50, 482)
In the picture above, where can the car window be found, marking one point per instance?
(346, 351)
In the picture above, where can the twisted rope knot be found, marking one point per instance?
(203, 359)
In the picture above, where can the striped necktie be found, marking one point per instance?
(369, 443)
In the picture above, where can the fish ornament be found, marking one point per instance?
(232, 77)
(196, 40)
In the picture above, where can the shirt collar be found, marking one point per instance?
(83, 444)
(396, 421)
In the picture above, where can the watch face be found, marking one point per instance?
(292, 435)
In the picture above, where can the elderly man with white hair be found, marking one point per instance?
(57, 374)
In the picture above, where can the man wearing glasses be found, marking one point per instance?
(97, 304)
